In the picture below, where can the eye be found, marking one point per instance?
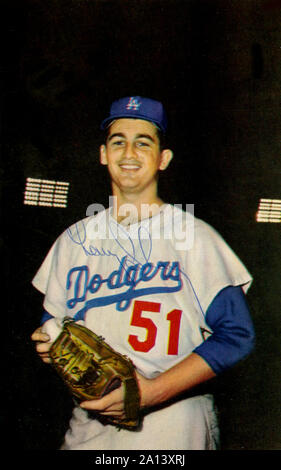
(142, 143)
(117, 143)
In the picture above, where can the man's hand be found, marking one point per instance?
(112, 404)
(43, 344)
(188, 373)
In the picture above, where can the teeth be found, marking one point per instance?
(130, 167)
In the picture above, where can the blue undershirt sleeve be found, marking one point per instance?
(45, 316)
(233, 334)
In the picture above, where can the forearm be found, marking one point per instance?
(232, 339)
(185, 375)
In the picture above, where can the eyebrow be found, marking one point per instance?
(138, 136)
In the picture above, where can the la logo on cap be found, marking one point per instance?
(133, 103)
(137, 107)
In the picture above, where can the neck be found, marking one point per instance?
(135, 206)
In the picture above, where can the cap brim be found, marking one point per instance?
(106, 122)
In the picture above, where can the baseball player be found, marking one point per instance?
(161, 286)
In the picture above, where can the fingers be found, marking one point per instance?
(42, 344)
(38, 335)
(102, 405)
(43, 351)
(109, 412)
(45, 358)
(43, 348)
(110, 405)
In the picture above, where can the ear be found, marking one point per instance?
(103, 157)
(166, 157)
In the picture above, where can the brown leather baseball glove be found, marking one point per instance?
(91, 369)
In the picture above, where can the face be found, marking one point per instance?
(133, 155)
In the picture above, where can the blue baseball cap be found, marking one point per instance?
(138, 108)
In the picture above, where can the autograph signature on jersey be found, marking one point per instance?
(164, 276)
(144, 241)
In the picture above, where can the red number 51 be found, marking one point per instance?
(174, 317)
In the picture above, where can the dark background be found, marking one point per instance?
(216, 66)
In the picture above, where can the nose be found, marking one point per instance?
(129, 151)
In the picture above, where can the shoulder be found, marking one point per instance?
(81, 229)
(205, 231)
(186, 213)
(185, 218)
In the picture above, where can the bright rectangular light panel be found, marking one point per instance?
(269, 210)
(39, 192)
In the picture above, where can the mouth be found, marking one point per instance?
(130, 166)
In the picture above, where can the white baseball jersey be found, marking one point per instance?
(145, 288)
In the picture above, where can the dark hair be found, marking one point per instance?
(162, 139)
(160, 134)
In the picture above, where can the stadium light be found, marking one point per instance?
(269, 210)
(41, 192)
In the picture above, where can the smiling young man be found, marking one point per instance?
(132, 153)
(154, 301)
